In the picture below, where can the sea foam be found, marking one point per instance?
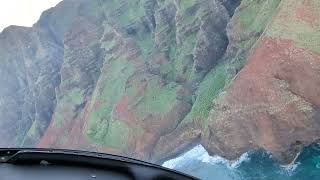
(200, 154)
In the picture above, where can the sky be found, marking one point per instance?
(22, 12)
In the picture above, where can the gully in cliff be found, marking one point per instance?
(214, 88)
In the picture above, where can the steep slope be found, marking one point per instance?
(30, 63)
(244, 29)
(139, 77)
(132, 80)
(274, 101)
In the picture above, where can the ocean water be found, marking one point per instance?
(256, 165)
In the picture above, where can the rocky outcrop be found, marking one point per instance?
(31, 59)
(138, 78)
(136, 94)
(274, 101)
(29, 74)
(239, 31)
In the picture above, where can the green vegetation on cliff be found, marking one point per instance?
(249, 19)
(154, 56)
(184, 5)
(253, 16)
(158, 99)
(208, 90)
(147, 78)
(100, 126)
(69, 101)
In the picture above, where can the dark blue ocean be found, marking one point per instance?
(257, 165)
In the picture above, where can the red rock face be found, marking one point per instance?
(53, 133)
(274, 102)
(142, 86)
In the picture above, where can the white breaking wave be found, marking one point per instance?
(243, 158)
(290, 169)
(195, 153)
(199, 153)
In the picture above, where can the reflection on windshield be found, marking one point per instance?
(208, 87)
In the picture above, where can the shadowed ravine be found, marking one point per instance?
(151, 79)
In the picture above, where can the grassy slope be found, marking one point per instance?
(156, 99)
(101, 127)
(251, 17)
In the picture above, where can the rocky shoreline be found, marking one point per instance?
(150, 78)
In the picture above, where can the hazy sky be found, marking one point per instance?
(22, 12)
